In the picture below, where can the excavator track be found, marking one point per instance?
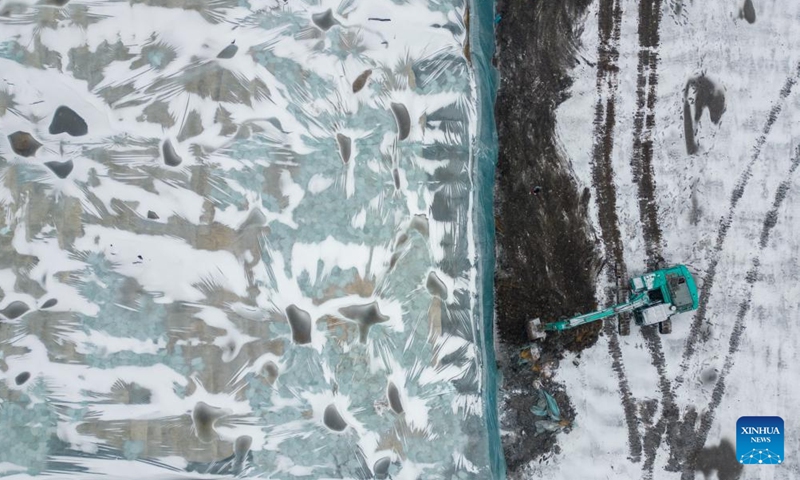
(665, 327)
(624, 325)
(623, 320)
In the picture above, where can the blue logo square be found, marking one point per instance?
(759, 440)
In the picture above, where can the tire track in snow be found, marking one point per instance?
(643, 123)
(644, 177)
(707, 418)
(609, 20)
(668, 419)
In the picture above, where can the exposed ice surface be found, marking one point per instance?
(746, 361)
(236, 240)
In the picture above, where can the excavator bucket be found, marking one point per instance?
(536, 330)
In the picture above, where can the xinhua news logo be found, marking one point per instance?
(759, 440)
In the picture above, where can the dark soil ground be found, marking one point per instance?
(547, 255)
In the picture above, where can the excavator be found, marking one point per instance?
(653, 299)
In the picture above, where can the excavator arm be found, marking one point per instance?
(537, 331)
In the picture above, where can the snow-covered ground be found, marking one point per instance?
(732, 206)
(236, 239)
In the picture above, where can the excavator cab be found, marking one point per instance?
(666, 292)
(684, 296)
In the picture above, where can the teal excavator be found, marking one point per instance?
(654, 298)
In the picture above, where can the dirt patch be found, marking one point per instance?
(702, 93)
(721, 458)
(547, 260)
